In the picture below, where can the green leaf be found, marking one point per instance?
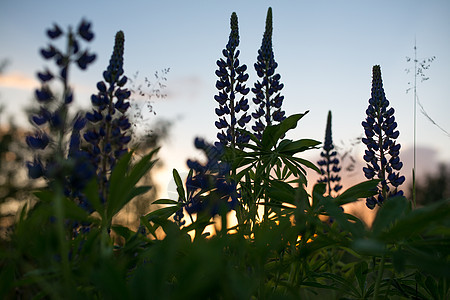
(361, 190)
(290, 166)
(431, 286)
(306, 163)
(141, 168)
(318, 285)
(280, 191)
(346, 285)
(179, 183)
(334, 211)
(292, 147)
(117, 176)
(91, 192)
(146, 223)
(123, 231)
(123, 181)
(317, 193)
(165, 201)
(73, 211)
(391, 210)
(417, 221)
(369, 247)
(428, 262)
(361, 270)
(161, 214)
(273, 133)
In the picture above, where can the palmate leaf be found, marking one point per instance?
(356, 228)
(428, 262)
(281, 192)
(123, 182)
(416, 221)
(392, 209)
(361, 271)
(306, 163)
(291, 167)
(361, 190)
(290, 147)
(345, 284)
(273, 133)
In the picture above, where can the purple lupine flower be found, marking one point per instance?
(232, 91)
(53, 123)
(35, 169)
(382, 154)
(44, 94)
(329, 164)
(85, 59)
(209, 188)
(267, 90)
(49, 53)
(55, 32)
(84, 30)
(38, 141)
(109, 137)
(45, 76)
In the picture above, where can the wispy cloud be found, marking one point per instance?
(188, 87)
(18, 81)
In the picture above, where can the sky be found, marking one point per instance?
(325, 52)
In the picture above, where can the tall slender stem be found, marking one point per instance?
(415, 133)
(379, 278)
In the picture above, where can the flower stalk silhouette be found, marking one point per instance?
(109, 136)
(232, 91)
(53, 160)
(267, 89)
(382, 154)
(329, 164)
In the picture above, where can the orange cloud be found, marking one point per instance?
(18, 81)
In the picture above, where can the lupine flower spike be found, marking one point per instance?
(267, 90)
(329, 164)
(209, 189)
(382, 154)
(232, 91)
(56, 162)
(109, 137)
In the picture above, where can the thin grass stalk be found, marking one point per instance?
(379, 278)
(415, 131)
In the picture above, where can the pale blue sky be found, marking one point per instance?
(325, 51)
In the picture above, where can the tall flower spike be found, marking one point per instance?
(232, 91)
(59, 158)
(329, 164)
(52, 119)
(267, 90)
(382, 154)
(209, 189)
(109, 134)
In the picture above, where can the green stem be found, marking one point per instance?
(415, 132)
(266, 180)
(379, 277)
(328, 173)
(63, 247)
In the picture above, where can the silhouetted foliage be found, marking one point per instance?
(287, 253)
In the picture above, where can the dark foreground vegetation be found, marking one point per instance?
(282, 242)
